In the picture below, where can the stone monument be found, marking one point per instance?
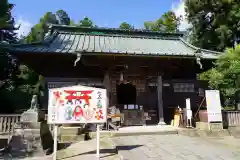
(26, 139)
(29, 118)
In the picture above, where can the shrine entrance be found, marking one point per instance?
(126, 93)
(84, 55)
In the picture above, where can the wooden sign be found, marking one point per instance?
(77, 104)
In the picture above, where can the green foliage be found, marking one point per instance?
(7, 35)
(150, 25)
(225, 74)
(168, 23)
(126, 26)
(86, 22)
(39, 30)
(5, 14)
(7, 23)
(63, 17)
(17, 82)
(29, 81)
(215, 24)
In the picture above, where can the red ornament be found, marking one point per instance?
(78, 112)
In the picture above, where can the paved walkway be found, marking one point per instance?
(153, 147)
(82, 151)
(87, 151)
(173, 147)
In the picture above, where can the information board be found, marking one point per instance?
(77, 104)
(214, 108)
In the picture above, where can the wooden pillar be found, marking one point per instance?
(107, 85)
(160, 100)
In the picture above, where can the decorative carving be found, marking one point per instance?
(34, 103)
(198, 54)
(31, 115)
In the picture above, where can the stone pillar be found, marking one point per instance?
(160, 101)
(107, 85)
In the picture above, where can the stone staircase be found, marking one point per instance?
(71, 134)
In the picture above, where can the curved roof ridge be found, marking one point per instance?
(46, 40)
(197, 48)
(121, 35)
(49, 37)
(140, 31)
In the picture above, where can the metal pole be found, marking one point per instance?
(55, 142)
(98, 142)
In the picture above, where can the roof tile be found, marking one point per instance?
(72, 42)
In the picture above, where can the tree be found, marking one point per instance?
(8, 64)
(7, 23)
(86, 22)
(168, 23)
(17, 82)
(7, 35)
(215, 24)
(150, 25)
(63, 17)
(29, 81)
(225, 74)
(126, 26)
(39, 30)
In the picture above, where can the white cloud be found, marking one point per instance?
(25, 26)
(178, 9)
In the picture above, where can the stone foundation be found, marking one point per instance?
(207, 126)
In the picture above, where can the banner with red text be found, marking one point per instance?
(77, 104)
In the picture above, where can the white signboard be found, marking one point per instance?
(77, 104)
(213, 106)
(188, 108)
(188, 104)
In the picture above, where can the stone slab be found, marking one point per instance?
(172, 147)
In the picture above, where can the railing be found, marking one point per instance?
(7, 122)
(231, 118)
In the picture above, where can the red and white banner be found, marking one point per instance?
(77, 104)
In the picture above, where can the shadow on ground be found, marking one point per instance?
(19, 144)
(109, 152)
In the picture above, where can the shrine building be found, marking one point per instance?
(153, 71)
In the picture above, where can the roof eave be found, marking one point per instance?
(204, 52)
(88, 53)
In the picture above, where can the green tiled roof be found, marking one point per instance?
(71, 40)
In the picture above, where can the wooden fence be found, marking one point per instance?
(231, 118)
(7, 121)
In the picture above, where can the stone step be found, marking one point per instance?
(71, 134)
(203, 133)
(66, 138)
(70, 130)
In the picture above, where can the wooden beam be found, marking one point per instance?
(107, 85)
(160, 100)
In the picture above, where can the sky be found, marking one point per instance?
(104, 13)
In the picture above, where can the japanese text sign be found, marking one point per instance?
(213, 106)
(77, 104)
